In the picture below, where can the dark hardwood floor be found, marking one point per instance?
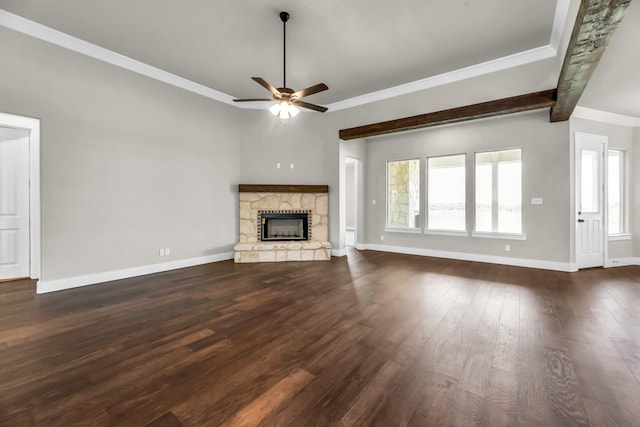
(372, 339)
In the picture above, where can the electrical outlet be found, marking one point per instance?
(161, 252)
(277, 165)
(382, 237)
(373, 202)
(167, 251)
(291, 165)
(507, 248)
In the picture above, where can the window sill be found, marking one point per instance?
(619, 237)
(456, 233)
(403, 230)
(503, 236)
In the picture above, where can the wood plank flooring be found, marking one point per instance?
(372, 339)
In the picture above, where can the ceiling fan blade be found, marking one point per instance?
(310, 91)
(310, 106)
(252, 100)
(262, 82)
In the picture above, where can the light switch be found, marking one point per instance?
(536, 200)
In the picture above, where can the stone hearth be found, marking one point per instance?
(255, 198)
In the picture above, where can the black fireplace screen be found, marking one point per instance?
(284, 226)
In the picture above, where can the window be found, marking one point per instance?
(403, 194)
(499, 191)
(446, 189)
(616, 192)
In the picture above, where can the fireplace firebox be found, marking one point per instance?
(282, 226)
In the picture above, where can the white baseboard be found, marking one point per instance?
(621, 262)
(517, 262)
(338, 252)
(107, 276)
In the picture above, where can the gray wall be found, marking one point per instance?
(621, 138)
(129, 165)
(545, 174)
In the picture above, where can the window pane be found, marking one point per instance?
(403, 194)
(484, 192)
(446, 193)
(509, 197)
(499, 191)
(615, 193)
(589, 200)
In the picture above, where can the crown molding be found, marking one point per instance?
(42, 32)
(506, 62)
(605, 117)
(559, 22)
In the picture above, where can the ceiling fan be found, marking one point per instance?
(287, 99)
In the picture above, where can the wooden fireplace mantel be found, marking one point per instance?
(275, 188)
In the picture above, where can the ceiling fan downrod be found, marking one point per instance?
(284, 17)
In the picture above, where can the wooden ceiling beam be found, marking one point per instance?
(596, 22)
(515, 104)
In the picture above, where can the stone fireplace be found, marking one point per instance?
(283, 223)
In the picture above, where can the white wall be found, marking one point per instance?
(129, 164)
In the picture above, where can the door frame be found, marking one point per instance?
(356, 191)
(604, 140)
(33, 126)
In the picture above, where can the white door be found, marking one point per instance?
(14, 203)
(589, 180)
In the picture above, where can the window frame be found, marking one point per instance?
(624, 196)
(498, 234)
(396, 229)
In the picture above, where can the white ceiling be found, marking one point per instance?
(357, 47)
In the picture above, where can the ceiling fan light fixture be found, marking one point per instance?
(275, 109)
(284, 110)
(293, 110)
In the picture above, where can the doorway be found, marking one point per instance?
(590, 197)
(351, 202)
(19, 197)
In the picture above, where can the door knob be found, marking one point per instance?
(581, 220)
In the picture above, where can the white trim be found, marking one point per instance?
(403, 230)
(455, 233)
(504, 236)
(490, 259)
(618, 237)
(559, 23)
(605, 117)
(33, 126)
(621, 262)
(495, 65)
(360, 246)
(107, 276)
(339, 252)
(42, 32)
